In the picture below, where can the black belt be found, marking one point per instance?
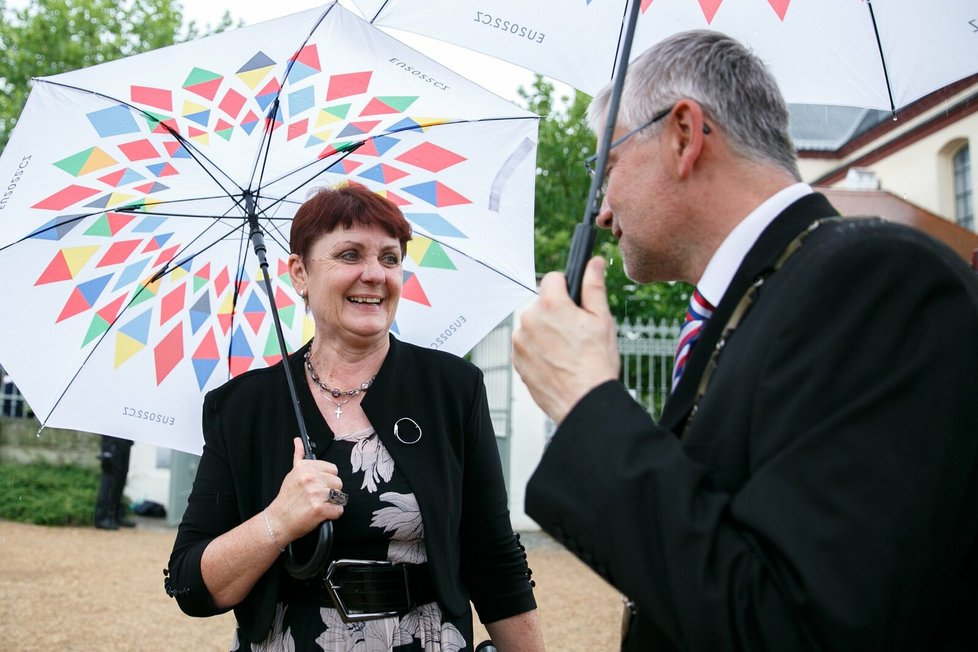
(365, 590)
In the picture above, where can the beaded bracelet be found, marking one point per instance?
(268, 526)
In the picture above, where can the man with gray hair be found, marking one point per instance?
(813, 480)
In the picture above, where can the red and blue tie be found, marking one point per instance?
(696, 315)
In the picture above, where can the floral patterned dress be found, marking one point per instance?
(381, 521)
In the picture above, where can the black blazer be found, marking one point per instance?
(454, 471)
(826, 494)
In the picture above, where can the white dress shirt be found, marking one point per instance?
(731, 252)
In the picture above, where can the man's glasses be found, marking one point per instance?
(590, 161)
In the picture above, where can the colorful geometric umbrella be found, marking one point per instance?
(880, 55)
(130, 284)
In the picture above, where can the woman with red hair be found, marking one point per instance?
(407, 471)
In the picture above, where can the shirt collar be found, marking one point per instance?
(732, 251)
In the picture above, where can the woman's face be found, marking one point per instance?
(353, 278)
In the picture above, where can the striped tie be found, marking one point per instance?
(697, 314)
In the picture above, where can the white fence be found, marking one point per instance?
(647, 351)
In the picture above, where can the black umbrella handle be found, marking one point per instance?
(315, 546)
(582, 245)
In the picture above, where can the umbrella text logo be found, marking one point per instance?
(450, 330)
(418, 73)
(529, 33)
(16, 179)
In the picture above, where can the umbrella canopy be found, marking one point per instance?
(878, 55)
(130, 285)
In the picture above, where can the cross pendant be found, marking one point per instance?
(339, 411)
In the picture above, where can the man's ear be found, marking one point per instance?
(687, 121)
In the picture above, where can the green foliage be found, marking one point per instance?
(561, 193)
(561, 184)
(45, 494)
(48, 37)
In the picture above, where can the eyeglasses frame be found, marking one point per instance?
(591, 160)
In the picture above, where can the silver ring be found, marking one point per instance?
(337, 497)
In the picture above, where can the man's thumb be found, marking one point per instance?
(594, 296)
(298, 453)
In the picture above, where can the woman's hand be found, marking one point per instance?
(302, 501)
(233, 562)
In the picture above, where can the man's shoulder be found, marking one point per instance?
(875, 236)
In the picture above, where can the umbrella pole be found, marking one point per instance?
(582, 245)
(324, 536)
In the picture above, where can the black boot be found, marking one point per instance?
(106, 524)
(121, 520)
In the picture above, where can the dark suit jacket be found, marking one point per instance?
(453, 469)
(826, 494)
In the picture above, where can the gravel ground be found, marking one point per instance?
(88, 589)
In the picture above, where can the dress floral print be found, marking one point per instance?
(382, 521)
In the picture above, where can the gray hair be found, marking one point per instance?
(733, 86)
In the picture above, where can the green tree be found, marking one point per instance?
(48, 37)
(561, 193)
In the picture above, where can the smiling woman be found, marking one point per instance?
(347, 246)
(406, 471)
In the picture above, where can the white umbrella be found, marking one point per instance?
(880, 55)
(130, 282)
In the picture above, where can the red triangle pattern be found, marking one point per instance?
(168, 353)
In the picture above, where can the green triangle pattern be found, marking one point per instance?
(100, 227)
(399, 102)
(95, 329)
(287, 315)
(436, 257)
(340, 110)
(271, 345)
(199, 76)
(154, 119)
(143, 293)
(73, 164)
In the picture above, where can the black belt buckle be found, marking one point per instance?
(334, 588)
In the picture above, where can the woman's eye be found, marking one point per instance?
(349, 256)
(391, 259)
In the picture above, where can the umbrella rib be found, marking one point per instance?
(621, 33)
(187, 145)
(50, 227)
(346, 152)
(238, 276)
(266, 144)
(166, 269)
(480, 262)
(282, 198)
(379, 11)
(879, 46)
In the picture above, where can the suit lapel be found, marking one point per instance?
(772, 241)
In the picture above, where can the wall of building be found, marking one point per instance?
(912, 159)
(921, 172)
(531, 429)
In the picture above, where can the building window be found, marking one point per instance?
(964, 207)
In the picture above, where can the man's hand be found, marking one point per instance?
(561, 351)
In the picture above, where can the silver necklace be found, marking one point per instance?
(333, 392)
